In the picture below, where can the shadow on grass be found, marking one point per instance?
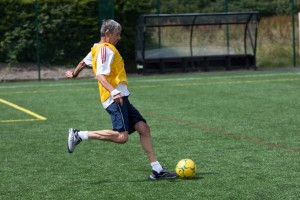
(198, 177)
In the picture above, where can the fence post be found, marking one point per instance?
(158, 12)
(299, 31)
(293, 27)
(106, 9)
(37, 38)
(227, 27)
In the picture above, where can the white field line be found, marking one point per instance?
(217, 77)
(155, 80)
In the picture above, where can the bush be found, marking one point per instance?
(16, 31)
(67, 30)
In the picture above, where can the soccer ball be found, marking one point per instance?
(186, 168)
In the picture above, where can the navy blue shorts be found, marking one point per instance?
(124, 117)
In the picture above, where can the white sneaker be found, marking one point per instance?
(73, 139)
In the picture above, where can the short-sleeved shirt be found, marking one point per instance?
(103, 68)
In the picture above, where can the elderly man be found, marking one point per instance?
(108, 67)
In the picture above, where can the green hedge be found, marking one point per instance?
(68, 28)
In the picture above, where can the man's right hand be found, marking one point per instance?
(118, 99)
(69, 74)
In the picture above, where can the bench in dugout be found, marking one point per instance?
(192, 42)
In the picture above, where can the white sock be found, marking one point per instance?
(156, 166)
(83, 135)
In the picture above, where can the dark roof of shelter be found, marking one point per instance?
(198, 19)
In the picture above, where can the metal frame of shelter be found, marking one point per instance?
(189, 60)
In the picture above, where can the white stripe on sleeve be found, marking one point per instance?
(104, 60)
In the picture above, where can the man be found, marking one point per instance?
(108, 66)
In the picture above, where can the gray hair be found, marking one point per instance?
(109, 25)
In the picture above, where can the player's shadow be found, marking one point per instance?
(107, 181)
(199, 176)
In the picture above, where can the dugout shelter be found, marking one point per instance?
(196, 41)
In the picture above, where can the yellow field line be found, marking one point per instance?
(18, 120)
(22, 110)
(48, 91)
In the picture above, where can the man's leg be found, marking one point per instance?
(109, 135)
(119, 118)
(76, 136)
(158, 172)
(145, 138)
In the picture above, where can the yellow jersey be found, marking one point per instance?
(117, 73)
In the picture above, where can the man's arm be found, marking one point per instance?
(115, 94)
(102, 79)
(77, 70)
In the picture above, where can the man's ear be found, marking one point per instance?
(107, 33)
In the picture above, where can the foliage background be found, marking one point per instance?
(67, 29)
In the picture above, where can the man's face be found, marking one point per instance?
(114, 37)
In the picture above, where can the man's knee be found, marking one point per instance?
(147, 129)
(122, 138)
(144, 129)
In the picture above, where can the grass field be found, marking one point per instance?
(241, 128)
